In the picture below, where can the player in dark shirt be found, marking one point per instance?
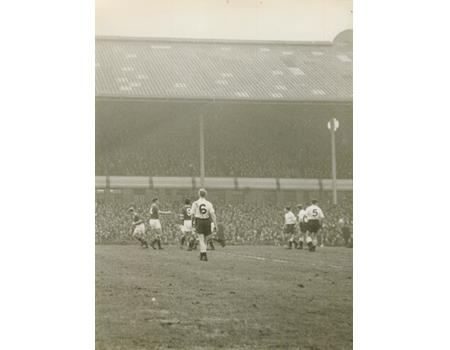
(155, 224)
(186, 224)
(138, 228)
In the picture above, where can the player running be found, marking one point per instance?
(289, 226)
(155, 224)
(202, 213)
(303, 225)
(138, 228)
(314, 216)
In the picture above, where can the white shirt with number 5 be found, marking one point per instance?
(313, 212)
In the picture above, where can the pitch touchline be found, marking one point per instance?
(257, 257)
(270, 259)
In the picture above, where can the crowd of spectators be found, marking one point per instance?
(243, 223)
(242, 146)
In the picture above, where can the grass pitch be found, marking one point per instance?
(244, 297)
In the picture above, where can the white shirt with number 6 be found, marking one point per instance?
(202, 208)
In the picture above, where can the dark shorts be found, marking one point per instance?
(303, 227)
(313, 226)
(203, 226)
(290, 228)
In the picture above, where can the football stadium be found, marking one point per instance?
(266, 128)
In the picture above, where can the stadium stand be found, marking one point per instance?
(144, 86)
(239, 71)
(238, 145)
(265, 106)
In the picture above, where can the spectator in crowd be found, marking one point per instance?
(235, 147)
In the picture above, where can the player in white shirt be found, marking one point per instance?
(289, 226)
(202, 212)
(314, 215)
(303, 225)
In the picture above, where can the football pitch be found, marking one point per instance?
(244, 297)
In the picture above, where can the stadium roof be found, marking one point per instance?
(156, 69)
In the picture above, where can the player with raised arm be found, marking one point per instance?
(314, 216)
(202, 212)
(289, 226)
(138, 227)
(155, 224)
(303, 225)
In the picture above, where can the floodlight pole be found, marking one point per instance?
(202, 151)
(333, 125)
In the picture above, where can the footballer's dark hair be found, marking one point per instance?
(202, 192)
(154, 200)
(314, 201)
(287, 207)
(187, 201)
(131, 209)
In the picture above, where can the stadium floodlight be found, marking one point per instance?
(333, 125)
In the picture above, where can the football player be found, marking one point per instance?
(314, 215)
(138, 228)
(155, 224)
(289, 226)
(303, 226)
(186, 226)
(203, 213)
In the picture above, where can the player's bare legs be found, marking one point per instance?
(190, 241)
(323, 238)
(211, 243)
(201, 238)
(300, 240)
(183, 237)
(309, 241)
(157, 239)
(292, 241)
(154, 236)
(143, 241)
(314, 242)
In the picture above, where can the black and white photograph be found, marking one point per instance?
(223, 174)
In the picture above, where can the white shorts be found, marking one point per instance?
(155, 224)
(139, 230)
(187, 226)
